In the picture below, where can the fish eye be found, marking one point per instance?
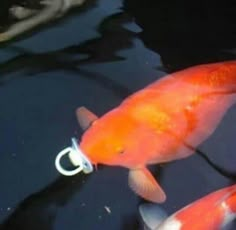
(120, 150)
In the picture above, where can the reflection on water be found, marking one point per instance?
(95, 58)
(24, 16)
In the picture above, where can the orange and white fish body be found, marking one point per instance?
(213, 212)
(165, 121)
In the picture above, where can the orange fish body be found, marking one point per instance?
(212, 212)
(164, 121)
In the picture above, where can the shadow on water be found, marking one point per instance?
(35, 63)
(186, 33)
(114, 37)
(39, 210)
(205, 33)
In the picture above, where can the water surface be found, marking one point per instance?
(96, 57)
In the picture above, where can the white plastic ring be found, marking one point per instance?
(87, 166)
(76, 157)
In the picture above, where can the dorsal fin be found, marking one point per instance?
(85, 117)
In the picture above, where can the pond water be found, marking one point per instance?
(96, 56)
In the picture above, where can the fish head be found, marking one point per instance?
(107, 137)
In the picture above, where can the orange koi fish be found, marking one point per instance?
(213, 212)
(163, 122)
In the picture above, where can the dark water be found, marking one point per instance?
(96, 57)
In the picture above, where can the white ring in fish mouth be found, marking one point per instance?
(76, 157)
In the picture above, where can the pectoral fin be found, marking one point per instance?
(85, 117)
(144, 184)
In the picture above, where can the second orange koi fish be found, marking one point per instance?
(163, 122)
(214, 211)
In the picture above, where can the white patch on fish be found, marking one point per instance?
(228, 216)
(171, 223)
